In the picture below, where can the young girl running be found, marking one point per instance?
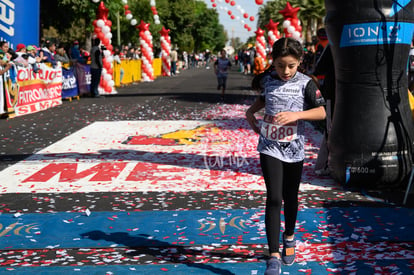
(289, 97)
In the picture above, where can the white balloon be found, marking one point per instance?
(110, 59)
(291, 29)
(107, 77)
(147, 33)
(124, 2)
(286, 23)
(111, 83)
(296, 35)
(107, 53)
(95, 1)
(105, 29)
(152, 3)
(104, 71)
(129, 16)
(133, 22)
(156, 17)
(108, 35)
(100, 23)
(157, 22)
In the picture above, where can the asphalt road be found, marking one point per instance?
(184, 96)
(123, 184)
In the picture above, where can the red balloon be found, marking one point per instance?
(126, 7)
(100, 36)
(246, 15)
(227, 1)
(294, 21)
(233, 3)
(214, 5)
(251, 18)
(232, 17)
(108, 23)
(212, 1)
(246, 26)
(229, 12)
(259, 2)
(249, 29)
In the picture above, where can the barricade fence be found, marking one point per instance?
(24, 91)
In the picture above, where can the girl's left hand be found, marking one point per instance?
(284, 118)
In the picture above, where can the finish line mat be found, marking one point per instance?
(182, 197)
(149, 156)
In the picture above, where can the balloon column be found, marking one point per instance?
(291, 24)
(371, 140)
(165, 51)
(261, 45)
(273, 34)
(230, 12)
(145, 38)
(102, 30)
(155, 12)
(128, 14)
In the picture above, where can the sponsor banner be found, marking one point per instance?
(37, 91)
(83, 76)
(377, 33)
(19, 21)
(69, 86)
(149, 156)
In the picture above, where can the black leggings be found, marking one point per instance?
(282, 181)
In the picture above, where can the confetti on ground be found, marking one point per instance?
(172, 185)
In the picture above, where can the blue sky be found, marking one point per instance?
(236, 27)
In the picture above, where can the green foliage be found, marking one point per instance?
(193, 26)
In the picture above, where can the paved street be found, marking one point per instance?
(164, 178)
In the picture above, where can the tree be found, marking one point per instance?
(312, 13)
(192, 25)
(73, 18)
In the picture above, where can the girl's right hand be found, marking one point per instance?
(251, 119)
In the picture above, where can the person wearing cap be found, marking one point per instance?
(33, 57)
(75, 52)
(60, 55)
(21, 55)
(20, 48)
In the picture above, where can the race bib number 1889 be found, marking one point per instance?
(276, 132)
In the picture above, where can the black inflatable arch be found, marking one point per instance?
(372, 132)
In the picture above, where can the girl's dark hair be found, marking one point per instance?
(257, 84)
(287, 46)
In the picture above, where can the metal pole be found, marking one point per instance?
(118, 29)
